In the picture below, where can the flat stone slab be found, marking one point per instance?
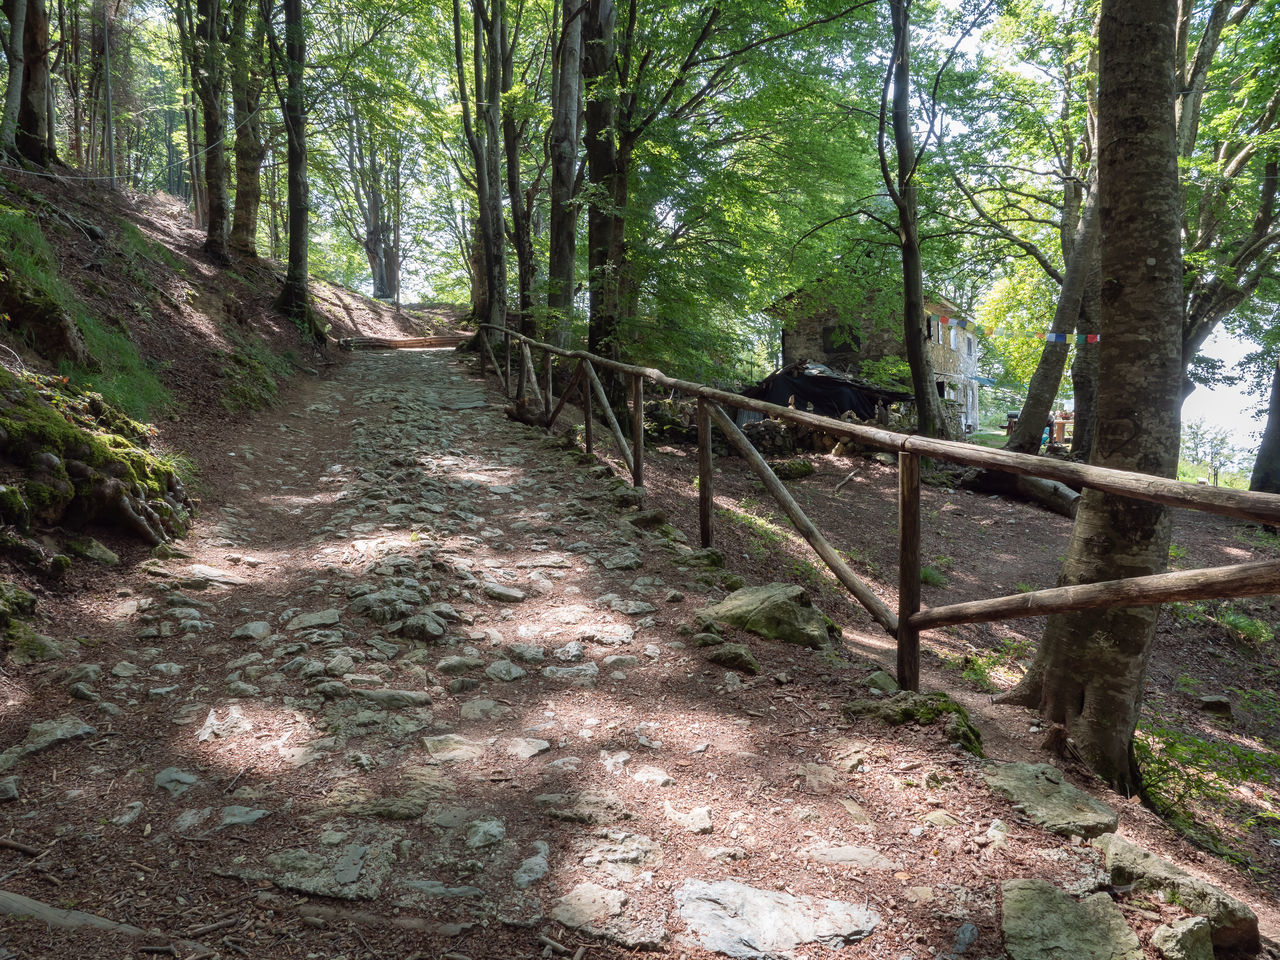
(599, 912)
(745, 922)
(1233, 925)
(1044, 795)
(346, 871)
(451, 748)
(311, 621)
(45, 734)
(844, 855)
(1041, 922)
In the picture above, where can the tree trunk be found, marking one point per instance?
(246, 100)
(485, 145)
(1266, 468)
(1084, 371)
(15, 12)
(521, 236)
(566, 101)
(32, 137)
(1046, 379)
(294, 300)
(109, 110)
(1089, 671)
(929, 408)
(208, 69)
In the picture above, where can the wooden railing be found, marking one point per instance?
(1237, 580)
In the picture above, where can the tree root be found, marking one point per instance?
(16, 905)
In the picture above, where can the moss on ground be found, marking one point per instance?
(924, 709)
(251, 375)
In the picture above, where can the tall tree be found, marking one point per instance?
(902, 191)
(32, 137)
(484, 143)
(565, 141)
(247, 42)
(15, 12)
(1090, 667)
(203, 31)
(289, 57)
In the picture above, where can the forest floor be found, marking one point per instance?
(415, 686)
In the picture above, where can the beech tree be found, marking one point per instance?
(15, 13)
(1088, 675)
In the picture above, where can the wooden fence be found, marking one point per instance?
(906, 623)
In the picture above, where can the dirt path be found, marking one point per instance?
(419, 688)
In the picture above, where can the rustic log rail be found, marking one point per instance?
(408, 343)
(1239, 580)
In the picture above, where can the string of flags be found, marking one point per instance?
(1027, 334)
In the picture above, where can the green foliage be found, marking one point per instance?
(250, 374)
(1191, 780)
(992, 670)
(1245, 627)
(122, 377)
(931, 576)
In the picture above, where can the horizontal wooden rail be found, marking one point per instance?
(1241, 580)
(1241, 504)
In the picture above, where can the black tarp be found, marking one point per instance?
(827, 395)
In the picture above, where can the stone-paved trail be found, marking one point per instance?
(423, 684)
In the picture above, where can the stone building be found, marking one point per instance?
(823, 333)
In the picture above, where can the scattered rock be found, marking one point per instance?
(882, 681)
(254, 630)
(864, 858)
(778, 611)
(1188, 939)
(534, 868)
(924, 709)
(735, 656)
(526, 748)
(176, 781)
(505, 671)
(45, 734)
(697, 820)
(1044, 795)
(1233, 925)
(313, 621)
(745, 922)
(1041, 922)
(452, 748)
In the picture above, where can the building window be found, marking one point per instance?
(928, 327)
(953, 338)
(970, 339)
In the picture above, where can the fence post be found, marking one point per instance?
(588, 426)
(908, 569)
(705, 500)
(546, 394)
(506, 339)
(637, 431)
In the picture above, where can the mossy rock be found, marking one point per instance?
(793, 469)
(735, 656)
(91, 549)
(708, 558)
(924, 709)
(13, 508)
(85, 462)
(26, 646)
(14, 603)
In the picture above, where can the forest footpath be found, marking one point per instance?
(425, 682)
